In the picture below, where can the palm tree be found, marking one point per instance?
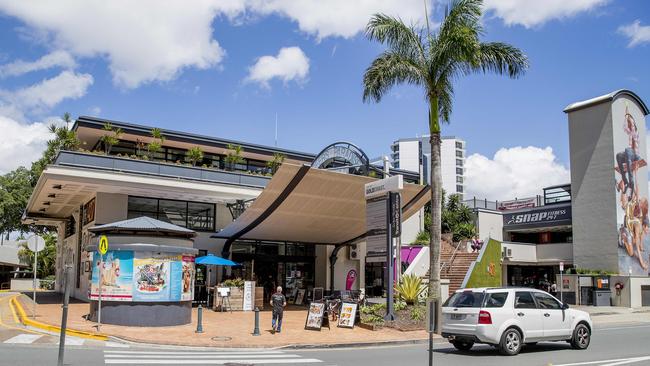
(194, 155)
(433, 60)
(276, 162)
(234, 156)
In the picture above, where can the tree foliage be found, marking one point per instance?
(275, 163)
(234, 156)
(434, 60)
(194, 155)
(15, 189)
(111, 137)
(46, 257)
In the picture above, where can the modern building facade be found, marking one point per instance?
(414, 154)
(101, 185)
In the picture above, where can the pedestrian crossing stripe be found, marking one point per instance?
(204, 357)
(23, 338)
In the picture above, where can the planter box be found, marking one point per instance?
(237, 299)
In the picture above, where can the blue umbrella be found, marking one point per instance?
(214, 260)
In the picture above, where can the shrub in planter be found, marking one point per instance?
(410, 289)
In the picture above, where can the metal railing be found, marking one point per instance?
(447, 265)
(157, 168)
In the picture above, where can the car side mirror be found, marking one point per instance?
(565, 306)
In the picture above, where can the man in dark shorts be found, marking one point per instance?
(278, 302)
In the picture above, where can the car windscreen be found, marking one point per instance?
(465, 299)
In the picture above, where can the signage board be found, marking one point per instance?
(315, 316)
(395, 214)
(35, 243)
(143, 276)
(376, 211)
(383, 186)
(553, 215)
(249, 295)
(517, 204)
(103, 244)
(348, 315)
(561, 266)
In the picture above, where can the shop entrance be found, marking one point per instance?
(273, 264)
(539, 277)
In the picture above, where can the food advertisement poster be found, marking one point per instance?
(315, 316)
(348, 315)
(117, 276)
(144, 276)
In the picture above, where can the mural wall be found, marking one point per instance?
(631, 180)
(143, 276)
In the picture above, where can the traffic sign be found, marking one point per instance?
(103, 244)
(561, 266)
(35, 243)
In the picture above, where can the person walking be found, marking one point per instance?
(278, 302)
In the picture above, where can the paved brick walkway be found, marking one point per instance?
(230, 329)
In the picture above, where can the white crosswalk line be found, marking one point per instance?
(116, 344)
(163, 357)
(72, 341)
(23, 338)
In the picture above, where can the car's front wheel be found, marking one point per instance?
(510, 344)
(463, 345)
(581, 337)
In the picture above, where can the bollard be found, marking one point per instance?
(256, 331)
(199, 326)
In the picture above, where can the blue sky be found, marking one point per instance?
(161, 64)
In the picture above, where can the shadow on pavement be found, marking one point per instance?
(486, 350)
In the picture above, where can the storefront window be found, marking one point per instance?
(192, 215)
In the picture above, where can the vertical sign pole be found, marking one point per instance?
(389, 263)
(99, 301)
(64, 315)
(34, 281)
(561, 282)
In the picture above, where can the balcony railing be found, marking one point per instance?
(156, 168)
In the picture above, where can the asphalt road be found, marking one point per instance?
(611, 346)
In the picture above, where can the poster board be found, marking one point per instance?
(347, 315)
(318, 294)
(300, 296)
(315, 316)
(249, 295)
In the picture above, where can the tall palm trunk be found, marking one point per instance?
(436, 205)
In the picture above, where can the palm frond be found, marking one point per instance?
(501, 58)
(396, 35)
(387, 70)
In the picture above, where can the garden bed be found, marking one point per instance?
(407, 317)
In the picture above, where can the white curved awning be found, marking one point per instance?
(308, 205)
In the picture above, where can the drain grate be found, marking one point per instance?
(222, 339)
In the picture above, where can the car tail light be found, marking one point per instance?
(484, 317)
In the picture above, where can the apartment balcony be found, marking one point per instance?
(85, 160)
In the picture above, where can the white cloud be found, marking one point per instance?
(343, 18)
(20, 144)
(39, 97)
(514, 172)
(143, 41)
(291, 64)
(636, 33)
(533, 13)
(55, 59)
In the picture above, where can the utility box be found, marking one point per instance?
(602, 297)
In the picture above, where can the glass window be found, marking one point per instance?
(459, 179)
(200, 216)
(459, 145)
(176, 155)
(459, 171)
(459, 188)
(459, 153)
(459, 162)
(524, 300)
(465, 299)
(547, 302)
(141, 206)
(173, 212)
(496, 299)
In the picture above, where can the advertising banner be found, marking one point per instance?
(117, 276)
(631, 174)
(376, 227)
(315, 316)
(144, 276)
(348, 315)
(553, 215)
(517, 204)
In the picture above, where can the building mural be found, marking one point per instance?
(631, 188)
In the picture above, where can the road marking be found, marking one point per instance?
(23, 338)
(116, 345)
(204, 357)
(72, 341)
(612, 362)
(622, 328)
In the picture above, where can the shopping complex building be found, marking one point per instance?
(299, 224)
(298, 219)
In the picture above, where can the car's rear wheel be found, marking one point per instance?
(463, 345)
(510, 344)
(581, 337)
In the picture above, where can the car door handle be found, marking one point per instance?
(547, 315)
(520, 314)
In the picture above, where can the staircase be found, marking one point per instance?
(454, 267)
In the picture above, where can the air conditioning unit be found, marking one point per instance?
(353, 253)
(506, 253)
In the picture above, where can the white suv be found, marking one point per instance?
(507, 318)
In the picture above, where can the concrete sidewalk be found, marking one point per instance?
(615, 314)
(229, 330)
